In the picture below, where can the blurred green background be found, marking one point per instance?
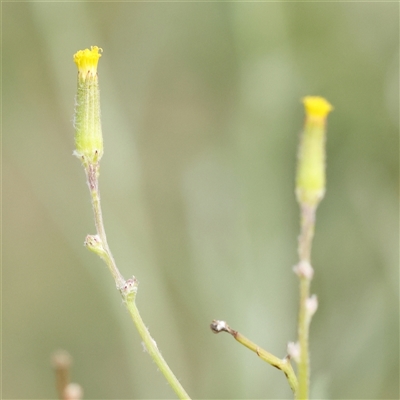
(201, 113)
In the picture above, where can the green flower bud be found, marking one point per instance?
(88, 136)
(310, 181)
(94, 243)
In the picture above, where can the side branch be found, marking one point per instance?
(283, 364)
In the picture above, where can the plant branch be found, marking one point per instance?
(305, 273)
(89, 149)
(92, 175)
(98, 244)
(128, 293)
(284, 365)
(310, 190)
(61, 362)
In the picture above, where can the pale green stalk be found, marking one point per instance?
(128, 288)
(283, 364)
(305, 242)
(310, 189)
(92, 174)
(89, 149)
(151, 347)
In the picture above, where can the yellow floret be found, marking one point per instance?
(316, 106)
(86, 60)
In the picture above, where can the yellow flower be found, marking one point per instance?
(88, 136)
(310, 181)
(86, 61)
(316, 106)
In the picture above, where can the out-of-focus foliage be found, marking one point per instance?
(201, 113)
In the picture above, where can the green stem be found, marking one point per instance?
(153, 350)
(303, 334)
(284, 365)
(127, 288)
(92, 173)
(305, 272)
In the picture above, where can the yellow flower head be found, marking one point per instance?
(88, 136)
(316, 106)
(86, 60)
(310, 181)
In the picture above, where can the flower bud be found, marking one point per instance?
(88, 136)
(310, 181)
(94, 243)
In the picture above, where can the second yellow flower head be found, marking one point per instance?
(310, 181)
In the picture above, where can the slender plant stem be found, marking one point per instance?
(127, 288)
(92, 174)
(284, 365)
(89, 149)
(310, 190)
(153, 350)
(305, 276)
(61, 361)
(307, 232)
(303, 334)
